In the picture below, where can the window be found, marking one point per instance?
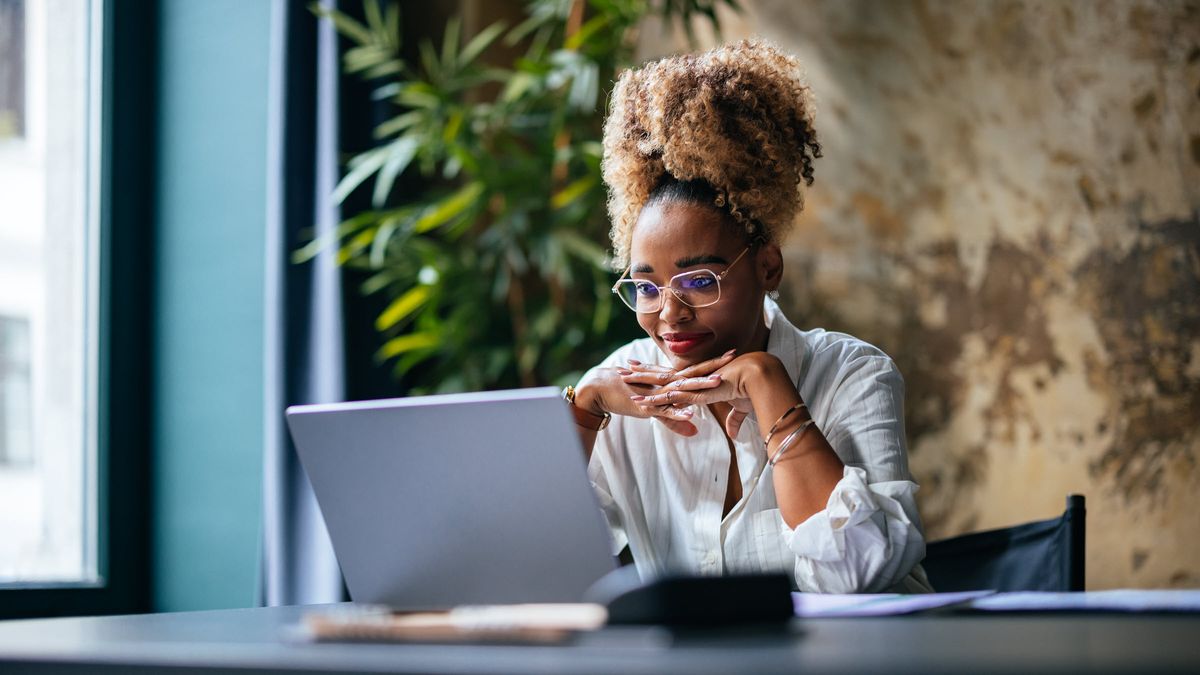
(12, 68)
(48, 291)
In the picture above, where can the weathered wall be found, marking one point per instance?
(1009, 204)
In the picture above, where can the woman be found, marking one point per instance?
(728, 440)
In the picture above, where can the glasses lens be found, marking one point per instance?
(698, 289)
(639, 295)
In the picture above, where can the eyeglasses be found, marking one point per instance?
(698, 288)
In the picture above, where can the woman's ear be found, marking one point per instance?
(770, 266)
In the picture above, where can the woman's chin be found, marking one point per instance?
(679, 361)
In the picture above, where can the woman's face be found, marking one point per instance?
(674, 237)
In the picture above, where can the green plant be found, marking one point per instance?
(494, 269)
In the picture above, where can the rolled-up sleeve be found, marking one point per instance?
(865, 541)
(869, 536)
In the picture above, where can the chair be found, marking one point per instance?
(1045, 555)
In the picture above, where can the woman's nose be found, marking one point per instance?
(674, 309)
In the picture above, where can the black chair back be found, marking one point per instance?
(1046, 555)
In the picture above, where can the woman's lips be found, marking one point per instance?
(682, 343)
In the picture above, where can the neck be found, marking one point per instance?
(758, 341)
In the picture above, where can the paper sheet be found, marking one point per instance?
(813, 605)
(1123, 600)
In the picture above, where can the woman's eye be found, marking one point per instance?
(646, 289)
(699, 282)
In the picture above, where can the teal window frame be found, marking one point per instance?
(124, 397)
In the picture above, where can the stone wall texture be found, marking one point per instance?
(1009, 205)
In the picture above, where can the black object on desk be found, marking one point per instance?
(694, 601)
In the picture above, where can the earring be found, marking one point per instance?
(774, 295)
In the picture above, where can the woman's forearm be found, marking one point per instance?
(584, 400)
(808, 470)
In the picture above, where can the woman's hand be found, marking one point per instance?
(605, 390)
(681, 389)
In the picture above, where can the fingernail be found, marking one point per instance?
(685, 413)
(730, 352)
(715, 377)
(633, 362)
(637, 398)
(624, 371)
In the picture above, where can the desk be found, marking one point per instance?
(251, 641)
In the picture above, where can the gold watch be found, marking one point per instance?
(585, 418)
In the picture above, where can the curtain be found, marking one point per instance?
(305, 353)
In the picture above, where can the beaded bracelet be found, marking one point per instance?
(787, 413)
(791, 438)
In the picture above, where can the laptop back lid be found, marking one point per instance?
(438, 501)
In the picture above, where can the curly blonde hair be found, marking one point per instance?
(738, 118)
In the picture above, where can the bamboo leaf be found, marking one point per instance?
(449, 207)
(407, 343)
(572, 192)
(450, 131)
(378, 282)
(356, 245)
(344, 229)
(450, 44)
(479, 43)
(369, 164)
(400, 154)
(398, 123)
(429, 61)
(523, 29)
(392, 25)
(583, 248)
(418, 95)
(374, 16)
(586, 31)
(389, 67)
(402, 306)
(344, 24)
(411, 359)
(517, 86)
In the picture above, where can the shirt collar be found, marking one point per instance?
(784, 341)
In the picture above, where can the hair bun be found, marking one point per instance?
(739, 117)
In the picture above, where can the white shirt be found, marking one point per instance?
(663, 493)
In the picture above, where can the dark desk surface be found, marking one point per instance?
(255, 640)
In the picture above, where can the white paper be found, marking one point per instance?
(812, 605)
(1123, 600)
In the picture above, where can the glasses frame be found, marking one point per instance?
(663, 298)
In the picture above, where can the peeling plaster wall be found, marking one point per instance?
(1009, 204)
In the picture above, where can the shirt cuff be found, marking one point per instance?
(853, 502)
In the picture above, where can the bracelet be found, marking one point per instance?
(782, 417)
(791, 438)
(590, 420)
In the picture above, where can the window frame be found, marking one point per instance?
(124, 196)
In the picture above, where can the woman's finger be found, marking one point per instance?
(689, 384)
(681, 427)
(671, 398)
(649, 367)
(669, 412)
(733, 422)
(707, 367)
(657, 378)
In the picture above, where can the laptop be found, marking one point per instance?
(464, 499)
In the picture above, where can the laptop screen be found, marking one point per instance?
(439, 501)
